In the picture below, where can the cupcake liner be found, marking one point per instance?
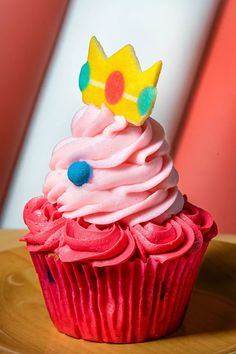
(130, 302)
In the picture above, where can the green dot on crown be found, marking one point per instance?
(146, 100)
(84, 76)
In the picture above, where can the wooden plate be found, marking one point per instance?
(209, 326)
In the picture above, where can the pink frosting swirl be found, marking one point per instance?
(77, 240)
(133, 178)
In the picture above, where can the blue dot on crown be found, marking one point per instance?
(79, 172)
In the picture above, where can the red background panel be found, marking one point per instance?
(206, 154)
(28, 29)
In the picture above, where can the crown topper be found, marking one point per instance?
(119, 83)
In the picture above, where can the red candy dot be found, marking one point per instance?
(114, 87)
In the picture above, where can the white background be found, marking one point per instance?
(174, 31)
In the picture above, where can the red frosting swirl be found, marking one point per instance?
(83, 242)
(77, 240)
(182, 233)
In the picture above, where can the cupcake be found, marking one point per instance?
(115, 244)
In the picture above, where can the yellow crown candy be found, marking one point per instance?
(119, 83)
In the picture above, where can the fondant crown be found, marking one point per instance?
(119, 83)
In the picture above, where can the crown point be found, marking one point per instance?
(96, 50)
(153, 73)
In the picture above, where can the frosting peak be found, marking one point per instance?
(133, 177)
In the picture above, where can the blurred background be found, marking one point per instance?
(43, 45)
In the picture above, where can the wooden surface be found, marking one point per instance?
(209, 326)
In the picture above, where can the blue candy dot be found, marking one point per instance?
(79, 172)
(84, 76)
(146, 100)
